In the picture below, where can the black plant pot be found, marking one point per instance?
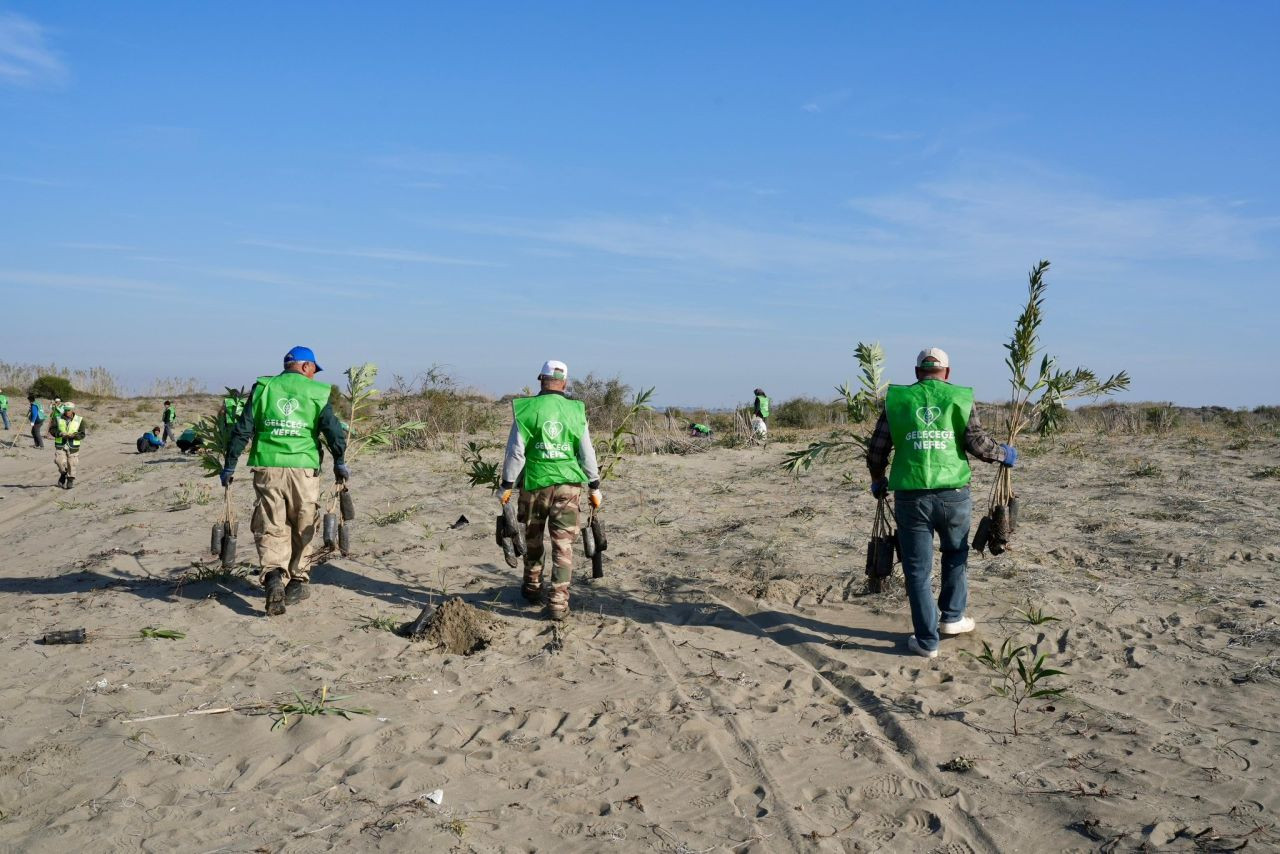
(329, 529)
(344, 539)
(347, 504)
(982, 536)
(228, 551)
(215, 539)
(1013, 514)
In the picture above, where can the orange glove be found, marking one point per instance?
(597, 498)
(505, 497)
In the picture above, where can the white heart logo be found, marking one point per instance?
(928, 414)
(552, 429)
(287, 406)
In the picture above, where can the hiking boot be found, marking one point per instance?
(295, 591)
(558, 603)
(531, 589)
(62, 480)
(914, 646)
(274, 586)
(71, 481)
(958, 627)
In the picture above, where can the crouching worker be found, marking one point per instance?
(67, 431)
(189, 442)
(286, 416)
(550, 443)
(699, 431)
(149, 442)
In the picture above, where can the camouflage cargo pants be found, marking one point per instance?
(555, 506)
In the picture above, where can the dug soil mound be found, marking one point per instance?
(460, 629)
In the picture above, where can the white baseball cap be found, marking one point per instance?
(68, 405)
(935, 356)
(553, 370)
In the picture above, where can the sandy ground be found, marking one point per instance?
(715, 692)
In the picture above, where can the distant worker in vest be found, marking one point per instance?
(233, 407)
(699, 431)
(189, 442)
(149, 443)
(67, 430)
(760, 414)
(551, 445)
(4, 409)
(286, 417)
(169, 419)
(928, 427)
(35, 416)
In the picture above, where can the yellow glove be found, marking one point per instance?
(506, 496)
(597, 498)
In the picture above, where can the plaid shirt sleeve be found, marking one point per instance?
(880, 446)
(978, 443)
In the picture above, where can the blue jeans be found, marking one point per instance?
(919, 514)
(4, 413)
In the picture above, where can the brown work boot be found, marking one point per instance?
(558, 604)
(532, 587)
(274, 586)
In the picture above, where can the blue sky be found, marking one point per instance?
(702, 197)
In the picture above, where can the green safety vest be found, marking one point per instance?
(927, 421)
(764, 405)
(65, 428)
(234, 408)
(4, 401)
(170, 414)
(286, 421)
(188, 435)
(703, 429)
(552, 427)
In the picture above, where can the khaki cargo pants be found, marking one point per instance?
(284, 519)
(556, 506)
(65, 460)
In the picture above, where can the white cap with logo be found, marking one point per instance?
(553, 370)
(933, 357)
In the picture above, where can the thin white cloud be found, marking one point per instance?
(378, 254)
(442, 163)
(826, 101)
(25, 59)
(98, 247)
(78, 282)
(996, 216)
(679, 319)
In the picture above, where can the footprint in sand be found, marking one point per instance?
(893, 786)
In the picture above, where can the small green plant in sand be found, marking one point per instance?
(1271, 472)
(163, 634)
(1036, 616)
(128, 476)
(1144, 468)
(212, 571)
(395, 516)
(1020, 675)
(456, 826)
(614, 448)
(187, 494)
(381, 624)
(479, 471)
(286, 711)
(860, 406)
(76, 505)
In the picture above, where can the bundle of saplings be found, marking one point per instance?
(1038, 399)
(882, 547)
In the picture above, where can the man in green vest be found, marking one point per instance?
(67, 429)
(286, 416)
(549, 453)
(928, 427)
(233, 408)
(4, 409)
(760, 414)
(169, 419)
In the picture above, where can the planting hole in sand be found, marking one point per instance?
(459, 628)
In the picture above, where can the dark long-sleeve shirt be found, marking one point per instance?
(242, 433)
(976, 442)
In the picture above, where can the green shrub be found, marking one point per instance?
(51, 387)
(807, 412)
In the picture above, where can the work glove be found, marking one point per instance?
(596, 498)
(505, 497)
(1010, 455)
(228, 475)
(341, 474)
(879, 488)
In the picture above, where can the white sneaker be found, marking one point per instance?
(914, 646)
(959, 627)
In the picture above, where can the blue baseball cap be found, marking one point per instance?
(302, 354)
